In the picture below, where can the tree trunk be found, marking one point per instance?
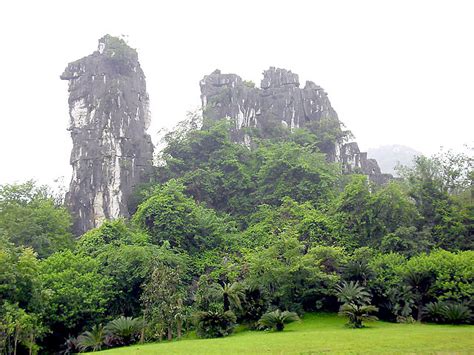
(30, 347)
(179, 326)
(15, 341)
(226, 302)
(420, 311)
(170, 333)
(142, 333)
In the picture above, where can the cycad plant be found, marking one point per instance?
(456, 313)
(352, 292)
(356, 303)
(357, 313)
(127, 329)
(434, 311)
(92, 340)
(231, 295)
(277, 319)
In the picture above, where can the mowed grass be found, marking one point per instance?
(324, 333)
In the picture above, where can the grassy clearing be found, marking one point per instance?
(324, 333)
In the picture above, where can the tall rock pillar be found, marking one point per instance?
(112, 153)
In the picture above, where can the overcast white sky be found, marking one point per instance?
(396, 71)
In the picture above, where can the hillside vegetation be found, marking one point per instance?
(226, 236)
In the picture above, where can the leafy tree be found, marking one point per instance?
(126, 256)
(76, 293)
(294, 171)
(277, 319)
(110, 234)
(19, 328)
(407, 241)
(168, 215)
(30, 216)
(354, 214)
(430, 183)
(392, 209)
(162, 298)
(213, 169)
(19, 277)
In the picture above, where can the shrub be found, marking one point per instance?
(433, 311)
(357, 314)
(214, 324)
(456, 313)
(443, 312)
(71, 346)
(277, 319)
(92, 340)
(125, 329)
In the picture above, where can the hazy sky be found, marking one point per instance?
(396, 71)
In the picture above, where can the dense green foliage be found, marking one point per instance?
(31, 216)
(227, 234)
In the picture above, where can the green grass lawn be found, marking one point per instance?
(325, 333)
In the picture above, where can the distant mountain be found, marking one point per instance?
(388, 156)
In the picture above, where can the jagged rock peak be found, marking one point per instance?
(278, 101)
(112, 153)
(281, 102)
(276, 77)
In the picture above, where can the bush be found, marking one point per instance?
(92, 340)
(278, 319)
(352, 292)
(214, 324)
(357, 314)
(456, 313)
(443, 312)
(124, 330)
(433, 311)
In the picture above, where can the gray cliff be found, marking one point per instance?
(112, 153)
(280, 102)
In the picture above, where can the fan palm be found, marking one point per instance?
(352, 292)
(278, 319)
(92, 340)
(357, 313)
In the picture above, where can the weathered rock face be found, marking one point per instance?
(281, 102)
(112, 153)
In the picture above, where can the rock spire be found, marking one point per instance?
(112, 153)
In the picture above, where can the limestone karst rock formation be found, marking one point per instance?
(112, 153)
(281, 102)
